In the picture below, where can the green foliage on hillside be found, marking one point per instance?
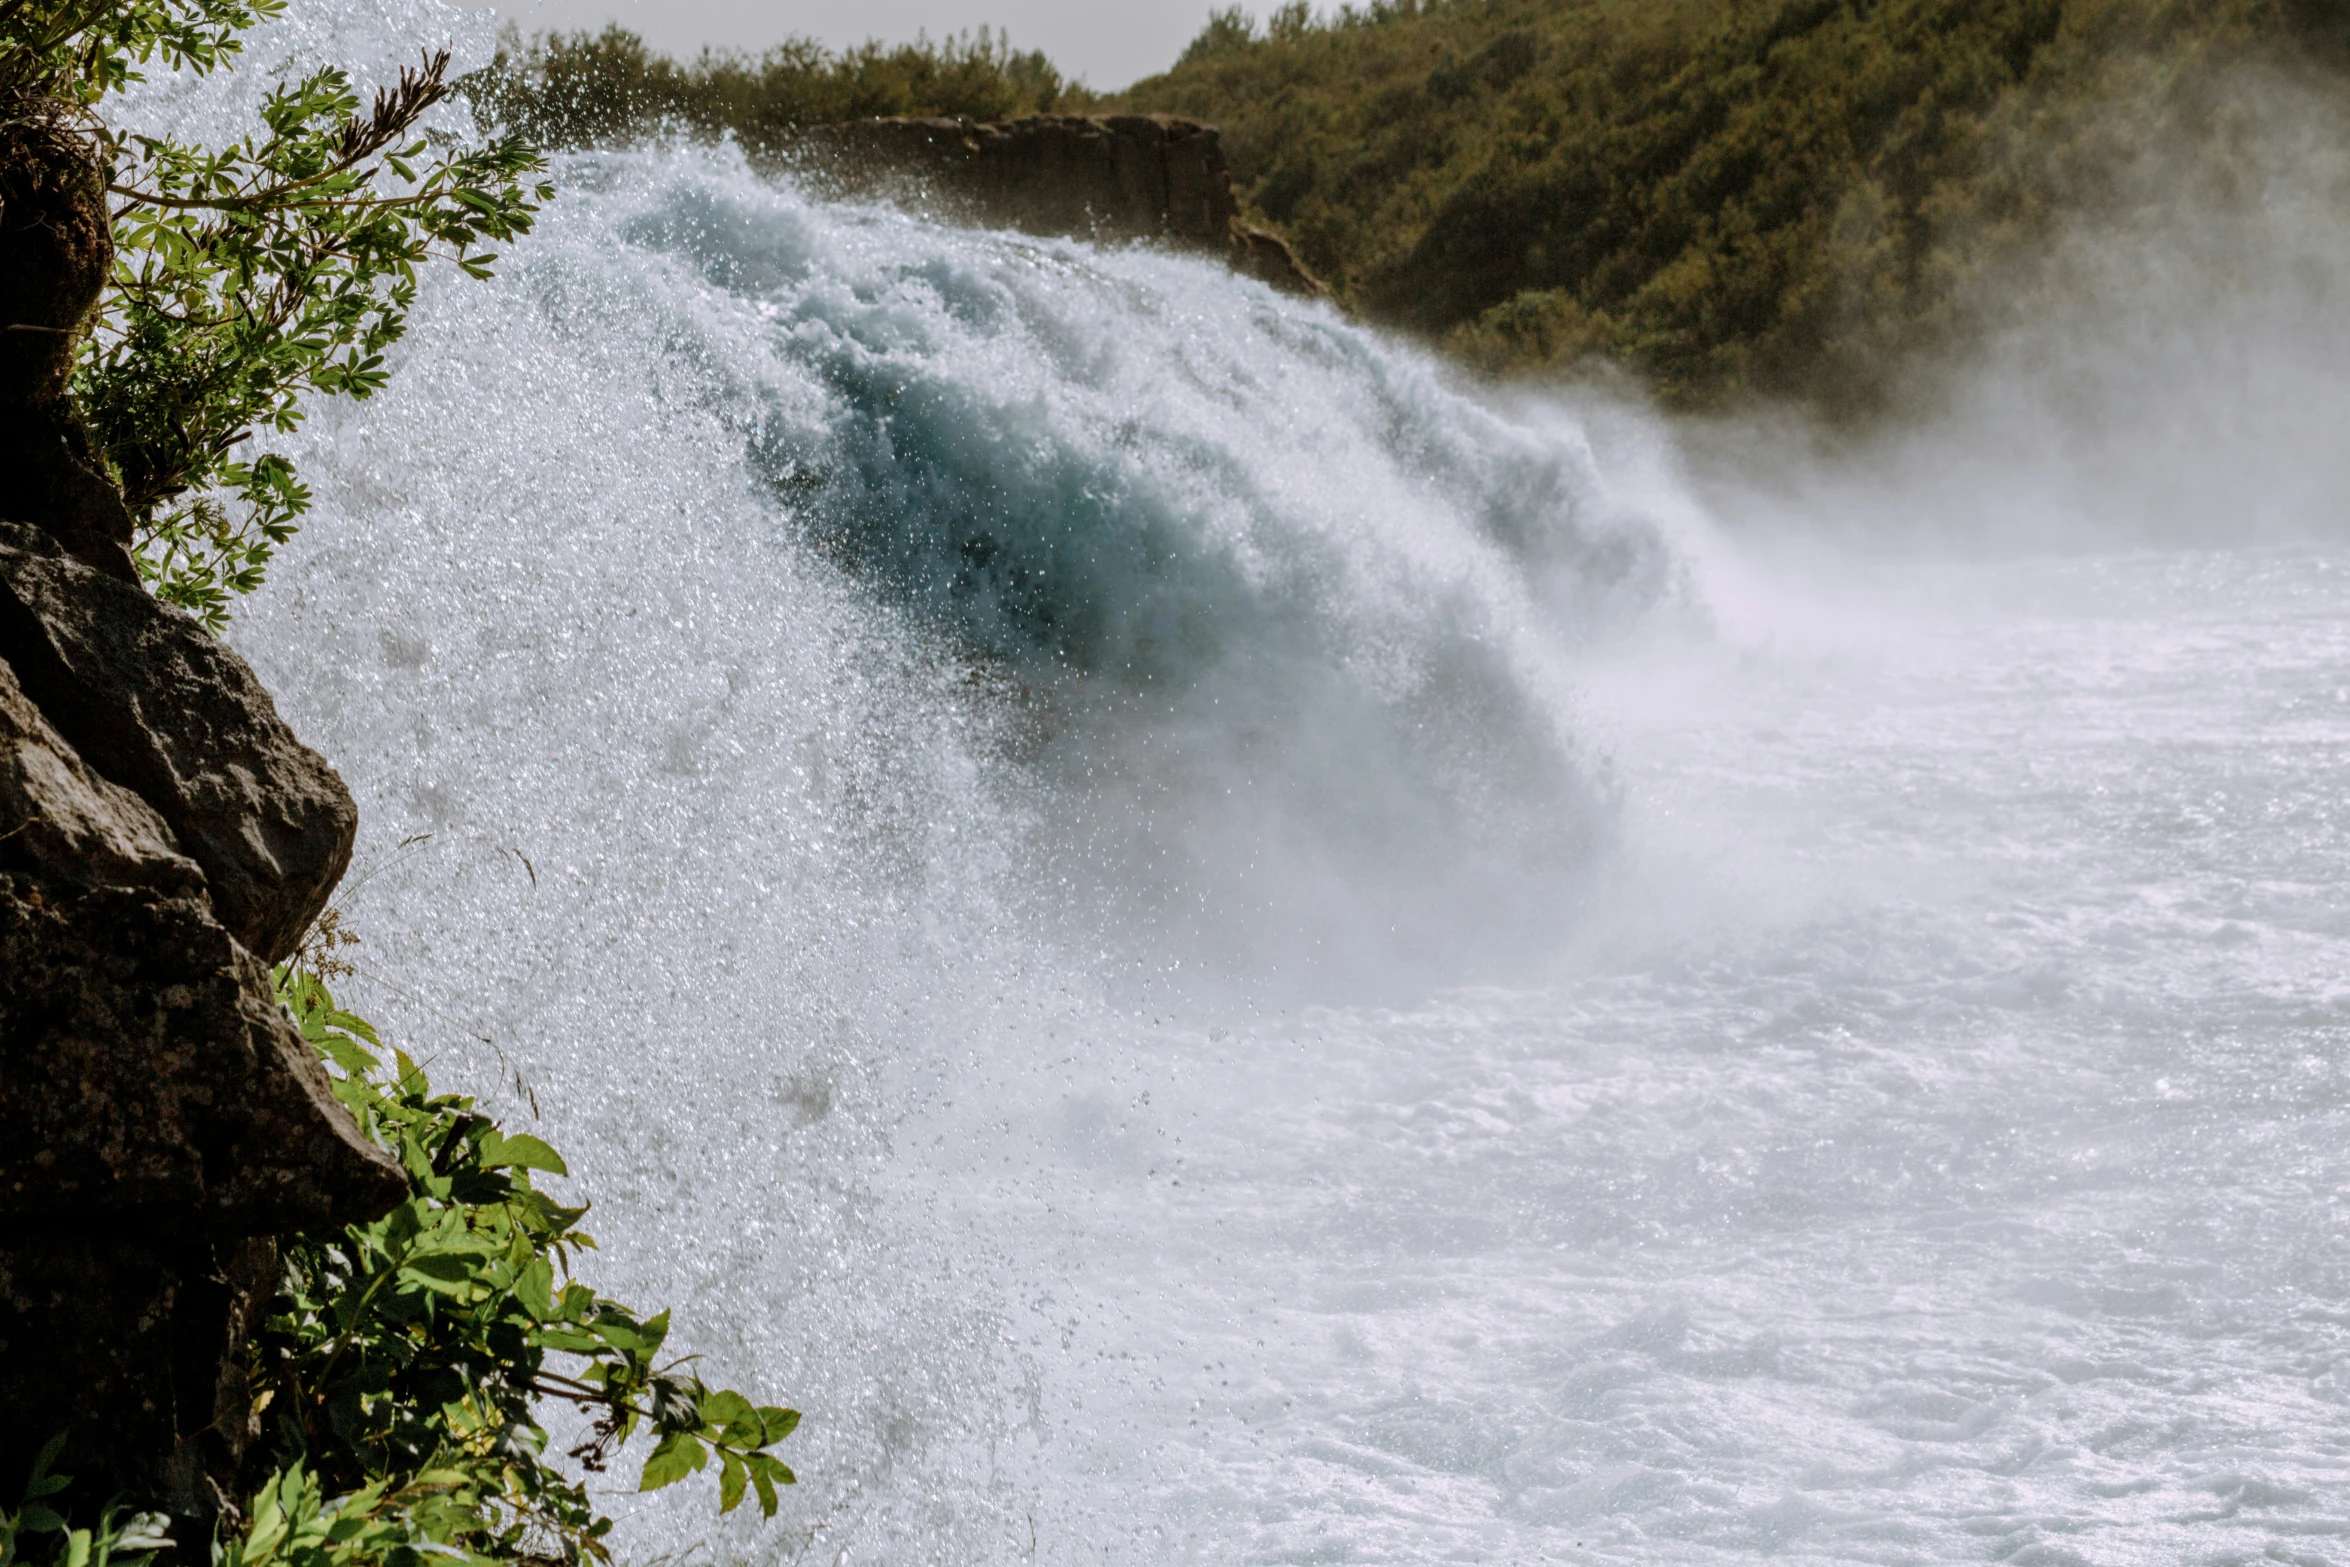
(578, 89)
(1780, 197)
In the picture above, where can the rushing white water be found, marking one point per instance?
(1208, 950)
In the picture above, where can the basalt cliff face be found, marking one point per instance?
(164, 838)
(1124, 177)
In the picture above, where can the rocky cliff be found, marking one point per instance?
(1126, 177)
(164, 838)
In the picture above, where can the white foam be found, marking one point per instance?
(1372, 1036)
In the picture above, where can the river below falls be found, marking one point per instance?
(1931, 1148)
(1936, 1153)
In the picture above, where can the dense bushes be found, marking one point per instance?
(1777, 196)
(568, 90)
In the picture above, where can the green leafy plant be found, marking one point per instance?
(113, 1538)
(251, 276)
(292, 1521)
(402, 1362)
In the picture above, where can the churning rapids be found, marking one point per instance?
(1210, 950)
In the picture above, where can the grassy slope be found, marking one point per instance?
(1780, 197)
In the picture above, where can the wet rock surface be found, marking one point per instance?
(133, 1344)
(62, 823)
(1120, 177)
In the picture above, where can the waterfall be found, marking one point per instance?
(803, 646)
(1209, 945)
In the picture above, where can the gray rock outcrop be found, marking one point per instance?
(163, 839)
(153, 702)
(1119, 177)
(147, 1074)
(164, 1120)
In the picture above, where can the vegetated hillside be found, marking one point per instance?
(1732, 197)
(577, 89)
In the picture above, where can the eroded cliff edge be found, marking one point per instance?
(164, 838)
(1121, 177)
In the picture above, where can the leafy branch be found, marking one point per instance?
(113, 1539)
(417, 1346)
(250, 277)
(78, 51)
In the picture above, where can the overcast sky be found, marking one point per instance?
(1107, 42)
